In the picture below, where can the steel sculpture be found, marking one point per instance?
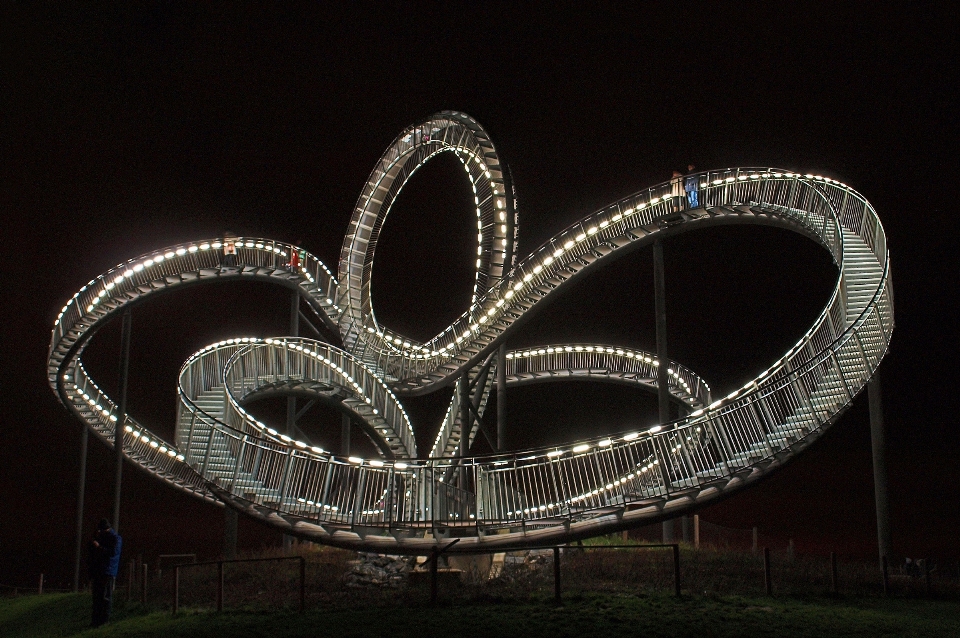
(408, 501)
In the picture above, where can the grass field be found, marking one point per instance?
(587, 615)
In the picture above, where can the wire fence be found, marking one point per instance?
(329, 578)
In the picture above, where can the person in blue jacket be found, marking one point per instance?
(691, 185)
(104, 564)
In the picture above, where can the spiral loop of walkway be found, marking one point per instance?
(408, 503)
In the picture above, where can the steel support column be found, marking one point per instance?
(663, 391)
(878, 443)
(122, 419)
(230, 524)
(81, 490)
(501, 398)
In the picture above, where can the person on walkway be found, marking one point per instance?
(691, 185)
(104, 562)
(676, 190)
(229, 249)
(295, 257)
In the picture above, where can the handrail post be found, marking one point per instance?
(143, 585)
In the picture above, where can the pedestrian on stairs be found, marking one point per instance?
(229, 249)
(295, 253)
(691, 185)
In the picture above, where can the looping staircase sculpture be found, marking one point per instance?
(405, 502)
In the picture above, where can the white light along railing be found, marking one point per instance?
(183, 263)
(581, 359)
(399, 358)
(368, 398)
(414, 147)
(791, 401)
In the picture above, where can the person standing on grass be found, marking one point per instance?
(103, 565)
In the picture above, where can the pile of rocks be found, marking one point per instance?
(379, 570)
(524, 565)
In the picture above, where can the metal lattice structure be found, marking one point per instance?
(406, 502)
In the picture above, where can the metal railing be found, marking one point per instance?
(221, 590)
(549, 488)
(800, 200)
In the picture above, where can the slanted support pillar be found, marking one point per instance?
(509, 220)
(230, 524)
(122, 418)
(292, 401)
(663, 390)
(502, 398)
(294, 332)
(465, 419)
(879, 445)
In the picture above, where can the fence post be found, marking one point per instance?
(40, 587)
(433, 577)
(556, 575)
(755, 539)
(833, 573)
(767, 582)
(303, 588)
(219, 586)
(676, 569)
(143, 585)
(176, 589)
(131, 575)
(696, 531)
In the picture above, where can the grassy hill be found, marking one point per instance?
(608, 615)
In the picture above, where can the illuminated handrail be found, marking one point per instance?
(564, 492)
(591, 362)
(476, 332)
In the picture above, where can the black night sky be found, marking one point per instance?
(129, 128)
